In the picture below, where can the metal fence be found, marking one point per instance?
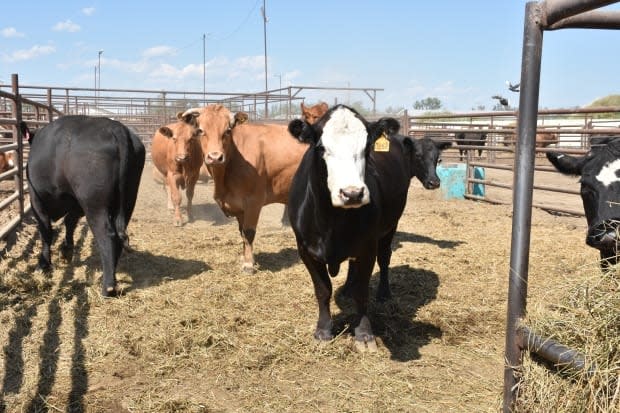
(571, 128)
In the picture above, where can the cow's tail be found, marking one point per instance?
(130, 172)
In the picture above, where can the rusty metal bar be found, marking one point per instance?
(522, 195)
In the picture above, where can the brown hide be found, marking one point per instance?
(7, 161)
(177, 158)
(313, 113)
(255, 168)
(544, 139)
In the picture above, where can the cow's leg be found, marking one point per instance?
(191, 185)
(247, 228)
(44, 224)
(384, 255)
(323, 293)
(347, 287)
(461, 151)
(110, 247)
(175, 196)
(71, 220)
(608, 258)
(364, 337)
(169, 204)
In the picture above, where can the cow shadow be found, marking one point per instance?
(276, 261)
(400, 237)
(394, 321)
(208, 212)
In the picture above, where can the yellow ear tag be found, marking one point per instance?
(382, 144)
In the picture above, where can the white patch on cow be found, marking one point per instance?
(607, 174)
(344, 139)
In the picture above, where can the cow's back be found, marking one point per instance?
(269, 155)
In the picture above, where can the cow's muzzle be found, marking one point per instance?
(351, 196)
(431, 184)
(604, 236)
(181, 158)
(215, 157)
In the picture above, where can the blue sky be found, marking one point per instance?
(460, 51)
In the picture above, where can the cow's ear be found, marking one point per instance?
(240, 117)
(191, 118)
(566, 164)
(388, 126)
(166, 131)
(303, 131)
(26, 133)
(324, 106)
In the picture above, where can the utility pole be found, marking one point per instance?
(204, 69)
(98, 86)
(279, 76)
(264, 13)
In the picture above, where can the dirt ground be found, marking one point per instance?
(192, 333)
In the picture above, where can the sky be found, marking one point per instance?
(461, 52)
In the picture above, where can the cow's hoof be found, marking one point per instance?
(368, 344)
(364, 338)
(109, 292)
(178, 223)
(323, 334)
(247, 268)
(44, 266)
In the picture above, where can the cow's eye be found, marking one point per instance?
(438, 161)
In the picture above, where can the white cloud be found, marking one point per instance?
(158, 51)
(66, 26)
(88, 11)
(166, 70)
(33, 52)
(11, 32)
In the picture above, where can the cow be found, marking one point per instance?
(7, 160)
(312, 113)
(85, 166)
(345, 202)
(177, 156)
(251, 165)
(544, 139)
(599, 170)
(470, 139)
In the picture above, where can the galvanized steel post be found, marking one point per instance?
(525, 156)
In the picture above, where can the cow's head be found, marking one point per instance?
(600, 192)
(342, 138)
(216, 123)
(184, 136)
(313, 113)
(423, 156)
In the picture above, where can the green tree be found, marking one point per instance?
(607, 101)
(430, 103)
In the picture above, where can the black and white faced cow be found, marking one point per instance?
(600, 192)
(79, 165)
(345, 202)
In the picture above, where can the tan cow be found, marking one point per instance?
(177, 157)
(251, 164)
(7, 160)
(313, 113)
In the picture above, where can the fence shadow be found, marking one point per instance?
(400, 237)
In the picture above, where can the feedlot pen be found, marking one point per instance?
(193, 333)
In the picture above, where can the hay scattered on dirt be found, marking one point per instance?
(192, 333)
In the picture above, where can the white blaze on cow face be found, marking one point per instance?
(344, 139)
(608, 173)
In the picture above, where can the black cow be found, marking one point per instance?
(345, 202)
(470, 139)
(600, 192)
(79, 165)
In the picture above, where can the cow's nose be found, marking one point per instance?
(352, 195)
(181, 158)
(603, 236)
(215, 157)
(432, 184)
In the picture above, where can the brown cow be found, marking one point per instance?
(7, 160)
(544, 139)
(251, 164)
(313, 113)
(177, 157)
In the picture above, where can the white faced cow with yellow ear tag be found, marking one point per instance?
(345, 202)
(600, 192)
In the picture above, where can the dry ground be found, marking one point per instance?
(192, 333)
